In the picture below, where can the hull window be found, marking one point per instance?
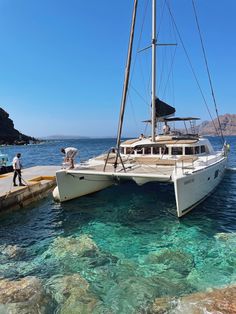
(216, 174)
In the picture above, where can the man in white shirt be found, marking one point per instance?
(70, 153)
(17, 166)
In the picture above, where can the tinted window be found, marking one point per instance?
(203, 149)
(189, 150)
(147, 150)
(177, 151)
(156, 150)
(129, 150)
(197, 150)
(164, 150)
(139, 149)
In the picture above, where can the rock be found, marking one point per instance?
(130, 295)
(220, 301)
(82, 246)
(11, 251)
(72, 294)
(177, 261)
(8, 134)
(24, 296)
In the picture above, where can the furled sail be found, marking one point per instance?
(163, 109)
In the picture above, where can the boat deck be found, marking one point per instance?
(134, 168)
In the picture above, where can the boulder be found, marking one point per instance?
(82, 246)
(23, 296)
(220, 301)
(178, 261)
(72, 294)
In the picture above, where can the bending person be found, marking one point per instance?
(70, 153)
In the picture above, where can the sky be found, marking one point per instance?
(62, 63)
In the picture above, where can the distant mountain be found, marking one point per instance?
(8, 134)
(63, 137)
(228, 125)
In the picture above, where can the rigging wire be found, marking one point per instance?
(136, 55)
(192, 69)
(140, 38)
(207, 68)
(170, 72)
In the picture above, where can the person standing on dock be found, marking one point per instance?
(70, 153)
(17, 166)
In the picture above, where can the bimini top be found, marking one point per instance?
(162, 119)
(180, 119)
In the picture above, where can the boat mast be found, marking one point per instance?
(154, 42)
(127, 74)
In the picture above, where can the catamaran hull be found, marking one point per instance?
(192, 189)
(70, 186)
(74, 184)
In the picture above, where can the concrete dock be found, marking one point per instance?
(39, 182)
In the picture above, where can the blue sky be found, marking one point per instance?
(62, 63)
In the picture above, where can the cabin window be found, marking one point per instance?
(197, 150)
(189, 150)
(156, 150)
(177, 150)
(147, 150)
(139, 150)
(203, 149)
(164, 150)
(122, 151)
(129, 150)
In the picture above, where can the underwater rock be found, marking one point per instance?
(227, 238)
(130, 295)
(222, 301)
(72, 294)
(178, 261)
(11, 251)
(170, 284)
(82, 246)
(73, 255)
(22, 296)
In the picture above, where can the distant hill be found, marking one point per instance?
(228, 125)
(8, 134)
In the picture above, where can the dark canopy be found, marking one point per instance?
(163, 109)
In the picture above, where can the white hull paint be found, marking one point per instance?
(74, 184)
(192, 189)
(71, 185)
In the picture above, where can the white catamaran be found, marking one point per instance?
(187, 161)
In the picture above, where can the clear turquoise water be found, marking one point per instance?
(140, 250)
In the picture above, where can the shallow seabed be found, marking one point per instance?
(117, 250)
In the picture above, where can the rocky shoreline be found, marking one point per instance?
(9, 135)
